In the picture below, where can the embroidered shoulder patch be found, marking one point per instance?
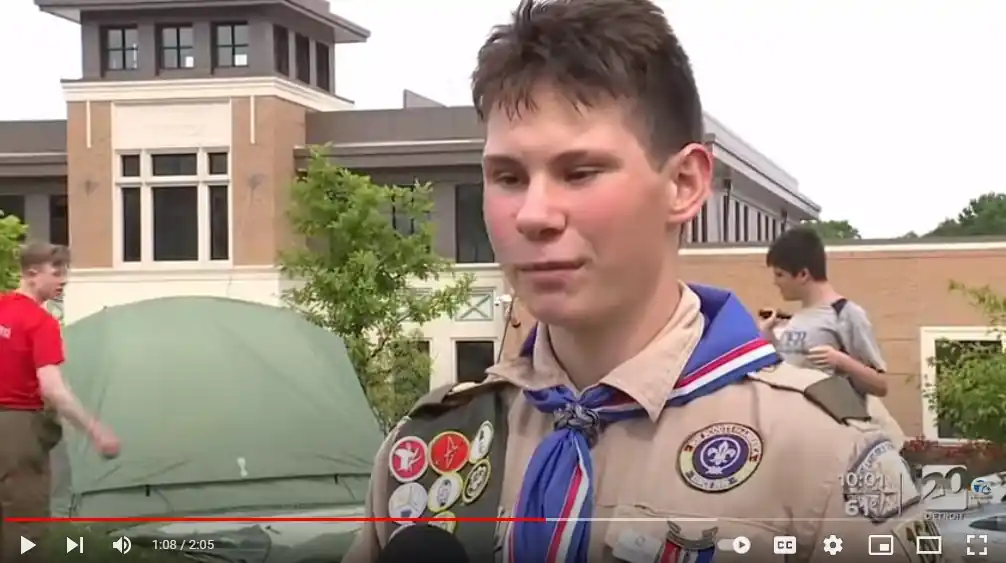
(879, 484)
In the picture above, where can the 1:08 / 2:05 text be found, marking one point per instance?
(182, 545)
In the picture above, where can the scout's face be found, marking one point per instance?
(791, 287)
(582, 221)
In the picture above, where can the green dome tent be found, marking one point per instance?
(222, 406)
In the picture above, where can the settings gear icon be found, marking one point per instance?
(833, 544)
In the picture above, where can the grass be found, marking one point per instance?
(98, 546)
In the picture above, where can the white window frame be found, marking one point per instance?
(147, 182)
(928, 336)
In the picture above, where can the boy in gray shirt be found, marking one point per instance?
(829, 332)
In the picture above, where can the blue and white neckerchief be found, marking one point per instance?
(558, 491)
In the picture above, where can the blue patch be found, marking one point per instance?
(720, 457)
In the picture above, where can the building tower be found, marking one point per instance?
(179, 132)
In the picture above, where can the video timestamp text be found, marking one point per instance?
(182, 545)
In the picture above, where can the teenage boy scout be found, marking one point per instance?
(645, 420)
(777, 453)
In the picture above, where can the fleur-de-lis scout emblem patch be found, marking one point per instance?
(449, 452)
(445, 492)
(477, 481)
(408, 459)
(720, 457)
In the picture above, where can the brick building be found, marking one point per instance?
(904, 287)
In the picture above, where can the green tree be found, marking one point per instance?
(984, 215)
(969, 392)
(12, 231)
(356, 273)
(833, 230)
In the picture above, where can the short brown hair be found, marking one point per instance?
(799, 249)
(594, 51)
(35, 254)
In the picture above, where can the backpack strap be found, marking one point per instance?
(838, 306)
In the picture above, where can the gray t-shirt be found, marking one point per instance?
(847, 329)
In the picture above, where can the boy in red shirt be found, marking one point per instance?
(31, 386)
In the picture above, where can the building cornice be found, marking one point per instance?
(192, 89)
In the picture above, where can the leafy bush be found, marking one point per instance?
(969, 392)
(12, 231)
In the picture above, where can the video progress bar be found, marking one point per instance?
(710, 519)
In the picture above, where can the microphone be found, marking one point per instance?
(422, 543)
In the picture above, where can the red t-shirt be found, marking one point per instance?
(29, 339)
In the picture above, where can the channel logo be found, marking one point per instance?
(981, 488)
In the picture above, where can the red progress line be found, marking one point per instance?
(253, 519)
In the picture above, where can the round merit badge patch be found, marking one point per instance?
(478, 480)
(449, 524)
(445, 492)
(482, 442)
(408, 459)
(408, 501)
(720, 457)
(449, 452)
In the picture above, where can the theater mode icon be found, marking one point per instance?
(929, 545)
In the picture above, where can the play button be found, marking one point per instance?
(77, 545)
(741, 545)
(26, 545)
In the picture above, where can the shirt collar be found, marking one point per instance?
(648, 377)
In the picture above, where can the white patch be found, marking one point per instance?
(885, 482)
(408, 501)
(633, 547)
(482, 442)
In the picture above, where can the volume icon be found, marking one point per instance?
(122, 545)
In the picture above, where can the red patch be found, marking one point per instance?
(449, 452)
(408, 459)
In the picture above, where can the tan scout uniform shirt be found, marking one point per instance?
(796, 490)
